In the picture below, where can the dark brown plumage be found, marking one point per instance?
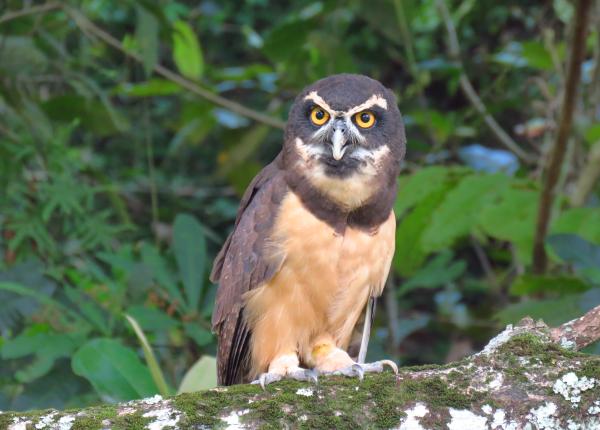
(336, 197)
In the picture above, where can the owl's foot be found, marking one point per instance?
(359, 369)
(299, 374)
(285, 366)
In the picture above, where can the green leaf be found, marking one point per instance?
(150, 88)
(13, 306)
(160, 271)
(415, 188)
(151, 318)
(575, 250)
(553, 311)
(438, 272)
(155, 371)
(582, 254)
(187, 53)
(146, 35)
(530, 284)
(592, 134)
(580, 221)
(512, 218)
(409, 254)
(46, 349)
(284, 42)
(189, 245)
(458, 213)
(201, 376)
(537, 56)
(115, 372)
(200, 335)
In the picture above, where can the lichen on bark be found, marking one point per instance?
(522, 379)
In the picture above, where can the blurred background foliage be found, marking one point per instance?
(122, 163)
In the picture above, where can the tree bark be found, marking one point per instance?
(527, 377)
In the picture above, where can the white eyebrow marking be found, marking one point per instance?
(375, 99)
(315, 97)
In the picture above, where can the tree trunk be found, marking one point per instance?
(527, 377)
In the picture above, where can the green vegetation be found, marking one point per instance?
(129, 130)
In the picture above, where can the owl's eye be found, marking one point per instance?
(365, 119)
(318, 116)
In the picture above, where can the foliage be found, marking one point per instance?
(119, 184)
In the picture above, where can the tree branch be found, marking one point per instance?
(558, 150)
(91, 29)
(9, 16)
(522, 379)
(471, 94)
(580, 332)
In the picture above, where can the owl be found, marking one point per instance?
(313, 240)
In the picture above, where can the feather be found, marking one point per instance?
(242, 265)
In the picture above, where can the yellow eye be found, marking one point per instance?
(318, 116)
(365, 119)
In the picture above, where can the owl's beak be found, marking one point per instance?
(338, 142)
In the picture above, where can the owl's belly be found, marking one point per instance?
(324, 281)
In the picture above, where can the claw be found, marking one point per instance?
(266, 378)
(304, 375)
(390, 363)
(299, 375)
(358, 369)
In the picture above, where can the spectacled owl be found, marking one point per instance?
(313, 240)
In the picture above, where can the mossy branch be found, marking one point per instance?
(522, 376)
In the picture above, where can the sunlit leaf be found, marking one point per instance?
(201, 376)
(457, 214)
(186, 51)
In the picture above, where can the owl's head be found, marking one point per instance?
(345, 135)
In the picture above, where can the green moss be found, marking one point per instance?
(591, 368)
(532, 345)
(93, 418)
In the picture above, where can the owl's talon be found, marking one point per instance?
(379, 366)
(358, 369)
(298, 374)
(391, 364)
(266, 378)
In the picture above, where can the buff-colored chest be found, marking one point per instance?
(325, 279)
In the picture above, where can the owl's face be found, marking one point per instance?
(344, 134)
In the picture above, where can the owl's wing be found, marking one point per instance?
(242, 265)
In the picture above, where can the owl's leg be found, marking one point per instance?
(285, 366)
(329, 359)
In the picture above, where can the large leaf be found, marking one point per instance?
(409, 255)
(201, 376)
(438, 272)
(26, 276)
(45, 348)
(190, 252)
(582, 254)
(146, 35)
(529, 284)
(580, 221)
(160, 271)
(553, 311)
(458, 213)
(417, 187)
(115, 372)
(512, 218)
(186, 51)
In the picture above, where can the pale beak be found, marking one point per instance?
(338, 140)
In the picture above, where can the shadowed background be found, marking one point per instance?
(129, 130)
